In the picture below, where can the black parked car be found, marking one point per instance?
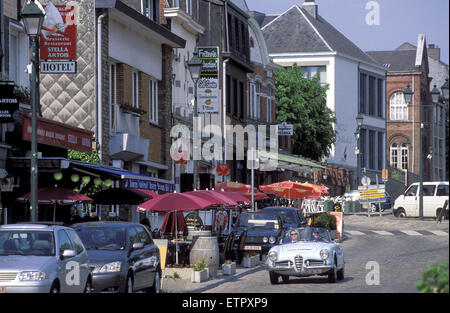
(254, 232)
(292, 217)
(122, 256)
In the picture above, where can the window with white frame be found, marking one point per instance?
(135, 86)
(153, 101)
(112, 95)
(18, 56)
(398, 107)
(150, 8)
(394, 155)
(269, 101)
(404, 152)
(258, 101)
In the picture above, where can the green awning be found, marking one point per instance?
(287, 161)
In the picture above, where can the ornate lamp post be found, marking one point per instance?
(33, 16)
(195, 66)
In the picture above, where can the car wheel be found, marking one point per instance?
(88, 288)
(373, 208)
(285, 278)
(401, 213)
(129, 284)
(55, 287)
(340, 274)
(273, 278)
(332, 276)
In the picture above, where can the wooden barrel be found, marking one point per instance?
(206, 248)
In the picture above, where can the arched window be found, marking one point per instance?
(398, 107)
(404, 153)
(394, 155)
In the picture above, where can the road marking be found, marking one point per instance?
(354, 232)
(382, 232)
(411, 233)
(438, 232)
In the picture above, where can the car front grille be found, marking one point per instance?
(7, 276)
(253, 240)
(283, 263)
(315, 262)
(298, 262)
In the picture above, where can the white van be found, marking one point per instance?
(434, 196)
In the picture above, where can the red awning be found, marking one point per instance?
(51, 195)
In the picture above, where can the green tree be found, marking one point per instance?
(302, 102)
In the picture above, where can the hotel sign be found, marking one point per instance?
(58, 67)
(208, 93)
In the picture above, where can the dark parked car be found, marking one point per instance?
(292, 217)
(254, 232)
(123, 256)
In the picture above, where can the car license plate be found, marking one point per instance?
(2, 289)
(252, 248)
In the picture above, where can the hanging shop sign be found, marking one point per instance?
(59, 32)
(9, 103)
(131, 183)
(58, 134)
(208, 93)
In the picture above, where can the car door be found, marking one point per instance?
(429, 200)
(81, 258)
(410, 201)
(150, 257)
(442, 194)
(135, 257)
(66, 269)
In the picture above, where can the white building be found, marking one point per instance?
(356, 82)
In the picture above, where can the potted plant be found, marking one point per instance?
(250, 259)
(200, 272)
(229, 267)
(327, 221)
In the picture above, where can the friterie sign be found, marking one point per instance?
(59, 32)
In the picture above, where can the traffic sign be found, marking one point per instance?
(385, 175)
(373, 194)
(285, 129)
(365, 180)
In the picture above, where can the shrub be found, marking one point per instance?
(325, 220)
(435, 279)
(200, 265)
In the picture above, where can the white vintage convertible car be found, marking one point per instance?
(314, 253)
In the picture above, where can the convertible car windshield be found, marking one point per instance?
(314, 234)
(252, 220)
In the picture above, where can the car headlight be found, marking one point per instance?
(272, 239)
(324, 254)
(273, 256)
(109, 268)
(32, 275)
(265, 239)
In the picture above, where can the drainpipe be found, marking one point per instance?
(99, 133)
(224, 88)
(2, 35)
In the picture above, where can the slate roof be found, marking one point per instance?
(398, 60)
(241, 4)
(297, 31)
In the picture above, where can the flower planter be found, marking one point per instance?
(200, 276)
(229, 269)
(251, 261)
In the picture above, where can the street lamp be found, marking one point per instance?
(435, 95)
(408, 93)
(33, 16)
(444, 89)
(359, 122)
(195, 67)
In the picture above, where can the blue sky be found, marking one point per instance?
(399, 21)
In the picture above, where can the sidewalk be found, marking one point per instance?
(180, 285)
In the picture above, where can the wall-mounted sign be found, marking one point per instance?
(285, 129)
(223, 169)
(57, 134)
(59, 33)
(208, 94)
(9, 103)
(58, 67)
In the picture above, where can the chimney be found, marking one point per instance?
(311, 7)
(434, 52)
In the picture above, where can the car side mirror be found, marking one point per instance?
(68, 254)
(137, 246)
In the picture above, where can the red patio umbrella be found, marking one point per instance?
(233, 186)
(213, 196)
(289, 189)
(172, 224)
(174, 202)
(54, 195)
(235, 196)
(256, 194)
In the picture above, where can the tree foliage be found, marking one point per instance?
(302, 102)
(84, 156)
(435, 279)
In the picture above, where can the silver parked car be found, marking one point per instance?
(42, 258)
(310, 252)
